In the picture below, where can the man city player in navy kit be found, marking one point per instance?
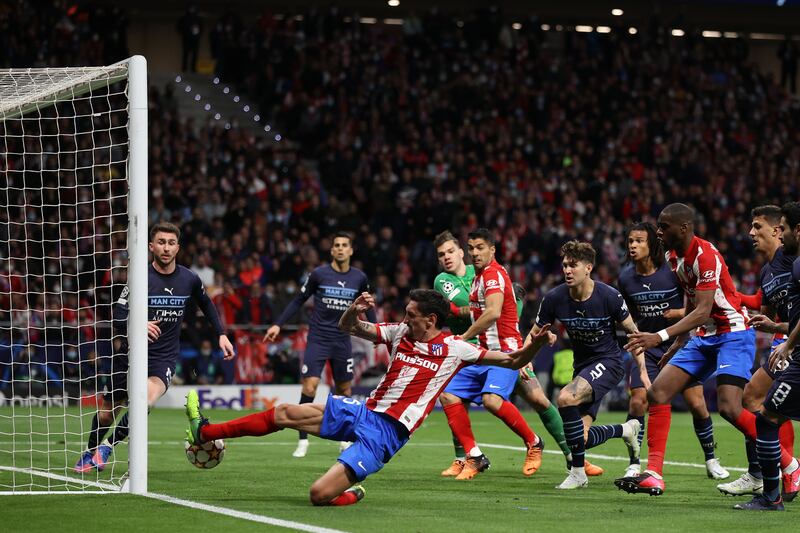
(589, 310)
(783, 399)
(170, 287)
(654, 296)
(334, 286)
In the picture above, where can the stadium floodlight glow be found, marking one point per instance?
(278, 137)
(256, 118)
(730, 35)
(767, 36)
(227, 125)
(236, 98)
(197, 97)
(216, 81)
(246, 109)
(583, 29)
(677, 32)
(712, 34)
(545, 27)
(368, 20)
(59, 108)
(217, 116)
(178, 78)
(632, 30)
(188, 89)
(226, 90)
(393, 22)
(603, 29)
(267, 127)
(617, 12)
(517, 26)
(559, 27)
(207, 107)
(393, 3)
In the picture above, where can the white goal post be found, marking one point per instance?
(73, 234)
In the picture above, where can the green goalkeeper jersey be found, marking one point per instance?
(456, 289)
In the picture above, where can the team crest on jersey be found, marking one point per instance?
(448, 287)
(437, 349)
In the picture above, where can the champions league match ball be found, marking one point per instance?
(206, 455)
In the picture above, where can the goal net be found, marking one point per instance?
(72, 237)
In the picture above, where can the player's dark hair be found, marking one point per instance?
(431, 302)
(579, 251)
(482, 233)
(343, 235)
(791, 210)
(772, 213)
(654, 245)
(164, 227)
(443, 237)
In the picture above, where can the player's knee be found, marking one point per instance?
(638, 405)
(282, 414)
(657, 396)
(567, 399)
(318, 495)
(729, 410)
(492, 402)
(447, 399)
(752, 399)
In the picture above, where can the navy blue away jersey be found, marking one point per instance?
(776, 278)
(590, 324)
(333, 293)
(649, 296)
(167, 298)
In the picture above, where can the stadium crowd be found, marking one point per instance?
(396, 133)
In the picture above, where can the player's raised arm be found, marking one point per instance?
(494, 307)
(522, 357)
(350, 323)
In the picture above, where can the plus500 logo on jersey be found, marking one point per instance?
(247, 398)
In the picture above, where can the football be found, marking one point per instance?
(206, 455)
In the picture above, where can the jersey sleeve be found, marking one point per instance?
(308, 288)
(206, 305)
(388, 332)
(493, 282)
(546, 314)
(708, 269)
(466, 351)
(617, 305)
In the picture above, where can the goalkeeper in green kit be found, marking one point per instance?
(455, 283)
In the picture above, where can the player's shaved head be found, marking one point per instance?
(679, 214)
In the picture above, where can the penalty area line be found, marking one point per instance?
(252, 517)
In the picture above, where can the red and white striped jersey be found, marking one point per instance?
(504, 334)
(703, 268)
(418, 372)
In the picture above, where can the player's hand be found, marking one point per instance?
(226, 347)
(666, 357)
(642, 341)
(272, 334)
(153, 331)
(763, 323)
(542, 336)
(526, 372)
(364, 302)
(552, 338)
(779, 357)
(673, 315)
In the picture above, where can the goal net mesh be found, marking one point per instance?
(63, 261)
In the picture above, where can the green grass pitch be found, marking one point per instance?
(259, 476)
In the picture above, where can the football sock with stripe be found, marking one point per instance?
(573, 431)
(555, 426)
(704, 429)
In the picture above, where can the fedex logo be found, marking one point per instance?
(248, 398)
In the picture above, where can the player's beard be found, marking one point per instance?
(161, 264)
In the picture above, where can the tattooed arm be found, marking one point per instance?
(350, 323)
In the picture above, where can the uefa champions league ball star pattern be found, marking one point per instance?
(206, 455)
